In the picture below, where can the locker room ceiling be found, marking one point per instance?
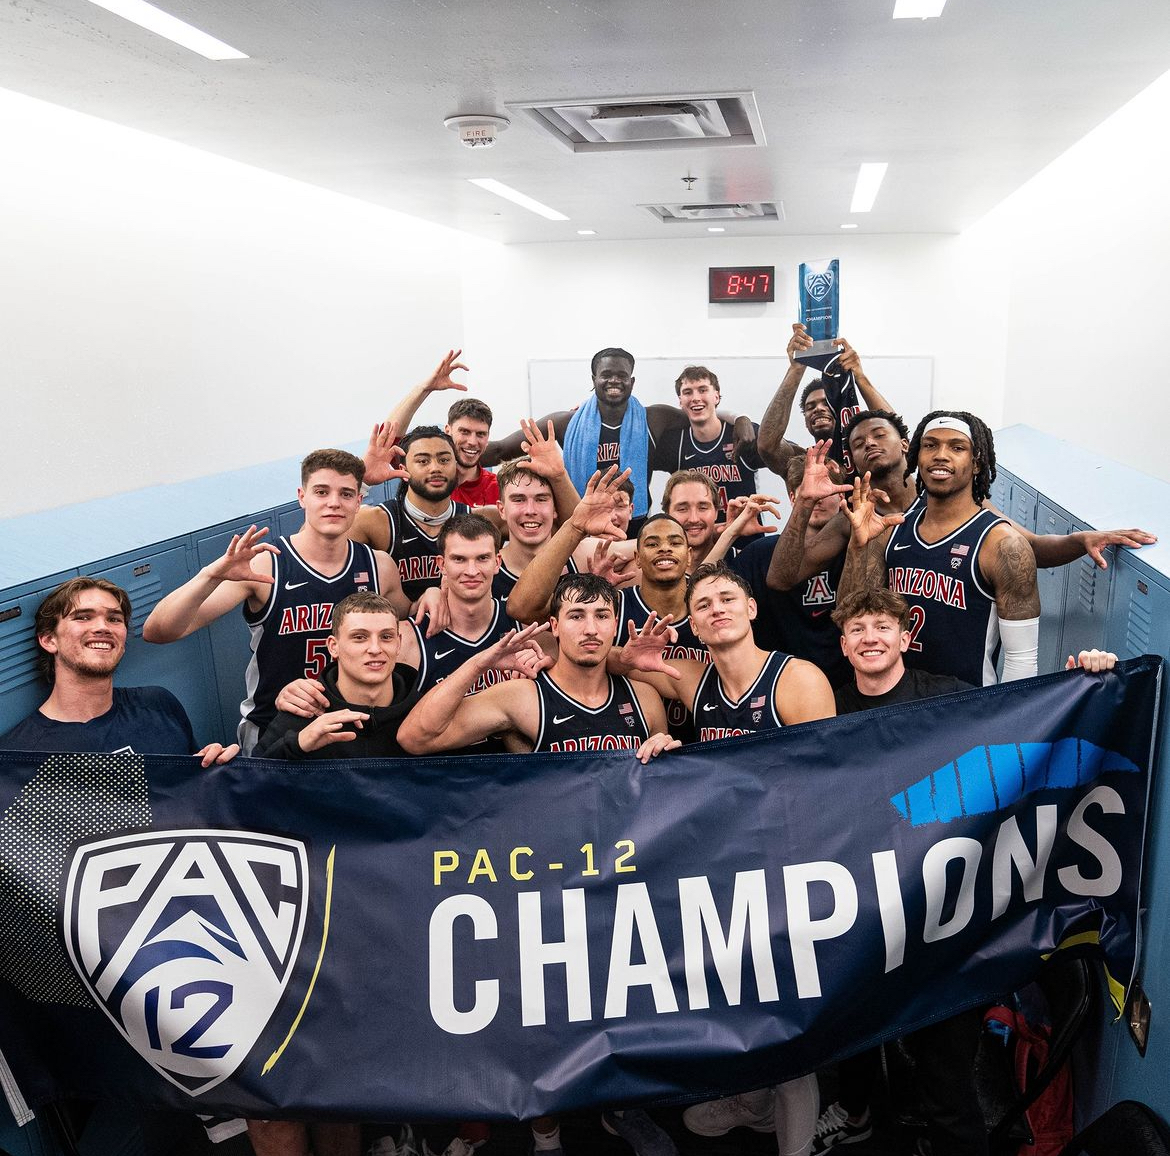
(351, 95)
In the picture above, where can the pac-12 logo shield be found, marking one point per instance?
(817, 285)
(186, 940)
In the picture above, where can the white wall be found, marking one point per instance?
(899, 297)
(166, 314)
(1083, 251)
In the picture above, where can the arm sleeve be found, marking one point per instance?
(1021, 647)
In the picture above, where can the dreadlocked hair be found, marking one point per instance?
(982, 444)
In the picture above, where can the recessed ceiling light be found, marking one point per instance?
(586, 232)
(853, 226)
(869, 180)
(917, 9)
(715, 229)
(518, 198)
(164, 24)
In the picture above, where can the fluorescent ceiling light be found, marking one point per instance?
(853, 226)
(917, 9)
(586, 232)
(869, 180)
(715, 229)
(156, 20)
(517, 198)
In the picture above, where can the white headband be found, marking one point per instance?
(952, 423)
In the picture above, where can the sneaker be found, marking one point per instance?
(834, 1128)
(755, 1110)
(388, 1145)
(639, 1131)
(457, 1147)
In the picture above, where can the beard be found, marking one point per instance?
(420, 489)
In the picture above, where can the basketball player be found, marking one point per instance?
(819, 419)
(707, 443)
(745, 689)
(288, 591)
(968, 575)
(573, 706)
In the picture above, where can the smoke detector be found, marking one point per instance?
(477, 130)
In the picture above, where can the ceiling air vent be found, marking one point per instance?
(726, 211)
(613, 124)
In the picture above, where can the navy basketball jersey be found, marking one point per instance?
(415, 552)
(609, 447)
(805, 615)
(736, 478)
(717, 717)
(954, 626)
(447, 651)
(679, 721)
(505, 581)
(568, 725)
(290, 629)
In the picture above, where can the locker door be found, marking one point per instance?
(289, 519)
(228, 637)
(183, 667)
(21, 688)
(1137, 620)
(1086, 605)
(1053, 584)
(1001, 490)
(1021, 505)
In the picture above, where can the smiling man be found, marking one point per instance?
(81, 631)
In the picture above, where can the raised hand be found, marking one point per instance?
(867, 524)
(743, 435)
(818, 481)
(441, 379)
(593, 515)
(743, 514)
(645, 649)
(848, 358)
(616, 569)
(514, 651)
(381, 452)
(235, 564)
(798, 341)
(330, 728)
(544, 453)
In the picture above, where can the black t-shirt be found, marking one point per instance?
(912, 686)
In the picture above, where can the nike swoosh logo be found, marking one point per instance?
(903, 546)
(710, 706)
(819, 613)
(412, 538)
(443, 653)
(558, 721)
(294, 585)
(689, 457)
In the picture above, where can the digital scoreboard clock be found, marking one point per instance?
(752, 283)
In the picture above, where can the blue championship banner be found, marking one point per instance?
(510, 936)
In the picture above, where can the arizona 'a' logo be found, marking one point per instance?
(817, 285)
(186, 940)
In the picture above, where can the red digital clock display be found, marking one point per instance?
(757, 283)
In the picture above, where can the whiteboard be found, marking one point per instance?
(747, 385)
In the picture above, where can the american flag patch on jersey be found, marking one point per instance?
(962, 550)
(729, 447)
(757, 702)
(362, 577)
(626, 708)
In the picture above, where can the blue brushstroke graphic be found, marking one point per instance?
(986, 779)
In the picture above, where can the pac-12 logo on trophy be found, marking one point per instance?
(186, 940)
(818, 283)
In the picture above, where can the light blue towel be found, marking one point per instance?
(583, 436)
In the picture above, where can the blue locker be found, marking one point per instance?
(1001, 489)
(1086, 604)
(289, 518)
(227, 637)
(1021, 506)
(1053, 583)
(21, 688)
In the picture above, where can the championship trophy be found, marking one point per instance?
(819, 298)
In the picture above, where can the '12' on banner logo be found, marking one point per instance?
(817, 285)
(186, 940)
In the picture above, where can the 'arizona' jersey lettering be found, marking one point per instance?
(954, 626)
(718, 717)
(568, 725)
